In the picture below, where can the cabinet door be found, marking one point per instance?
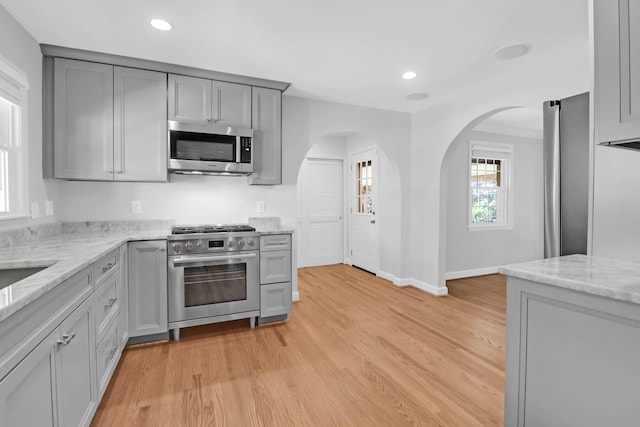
(617, 70)
(232, 104)
(140, 125)
(189, 99)
(123, 319)
(266, 121)
(27, 393)
(75, 368)
(148, 288)
(275, 299)
(275, 266)
(83, 120)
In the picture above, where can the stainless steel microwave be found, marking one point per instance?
(209, 149)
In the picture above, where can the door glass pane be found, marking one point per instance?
(215, 284)
(364, 187)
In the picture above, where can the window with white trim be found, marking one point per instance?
(490, 185)
(13, 174)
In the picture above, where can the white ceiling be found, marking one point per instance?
(351, 51)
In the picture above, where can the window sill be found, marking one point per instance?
(489, 227)
(14, 217)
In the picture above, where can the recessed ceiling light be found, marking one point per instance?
(160, 24)
(409, 75)
(417, 96)
(512, 51)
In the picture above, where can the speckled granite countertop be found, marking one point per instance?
(269, 225)
(65, 254)
(612, 278)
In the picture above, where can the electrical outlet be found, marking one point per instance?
(35, 210)
(136, 206)
(260, 206)
(48, 207)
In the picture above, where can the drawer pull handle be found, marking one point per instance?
(66, 339)
(108, 267)
(110, 303)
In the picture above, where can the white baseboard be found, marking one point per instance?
(470, 273)
(435, 290)
(295, 296)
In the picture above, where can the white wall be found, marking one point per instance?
(473, 252)
(616, 215)
(22, 50)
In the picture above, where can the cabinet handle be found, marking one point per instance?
(66, 339)
(110, 303)
(107, 267)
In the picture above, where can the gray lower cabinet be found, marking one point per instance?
(275, 277)
(123, 319)
(55, 384)
(148, 315)
(571, 358)
(266, 121)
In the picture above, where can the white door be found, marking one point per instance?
(364, 195)
(321, 211)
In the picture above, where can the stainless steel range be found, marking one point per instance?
(213, 273)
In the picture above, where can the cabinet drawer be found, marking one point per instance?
(275, 266)
(106, 355)
(275, 242)
(107, 303)
(105, 266)
(275, 299)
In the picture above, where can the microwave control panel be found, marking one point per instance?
(245, 149)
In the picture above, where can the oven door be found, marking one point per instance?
(209, 285)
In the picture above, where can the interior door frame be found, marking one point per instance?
(345, 207)
(350, 197)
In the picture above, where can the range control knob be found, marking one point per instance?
(241, 244)
(199, 245)
(177, 247)
(188, 246)
(251, 242)
(230, 244)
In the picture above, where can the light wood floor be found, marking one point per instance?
(356, 351)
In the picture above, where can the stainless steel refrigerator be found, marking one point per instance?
(566, 175)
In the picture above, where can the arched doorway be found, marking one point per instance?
(474, 246)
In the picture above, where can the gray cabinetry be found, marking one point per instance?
(266, 121)
(109, 123)
(572, 358)
(148, 315)
(27, 394)
(75, 370)
(275, 277)
(140, 125)
(197, 100)
(55, 383)
(83, 120)
(617, 70)
(123, 319)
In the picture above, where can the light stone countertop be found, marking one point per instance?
(65, 254)
(611, 278)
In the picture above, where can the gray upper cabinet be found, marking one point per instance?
(83, 120)
(197, 100)
(140, 125)
(109, 123)
(617, 70)
(266, 121)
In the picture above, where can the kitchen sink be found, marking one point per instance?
(10, 276)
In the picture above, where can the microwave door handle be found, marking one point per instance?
(238, 148)
(191, 260)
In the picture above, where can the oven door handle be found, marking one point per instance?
(191, 260)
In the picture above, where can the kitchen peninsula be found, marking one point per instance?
(573, 342)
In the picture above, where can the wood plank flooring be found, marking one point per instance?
(356, 351)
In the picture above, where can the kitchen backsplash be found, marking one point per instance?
(15, 236)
